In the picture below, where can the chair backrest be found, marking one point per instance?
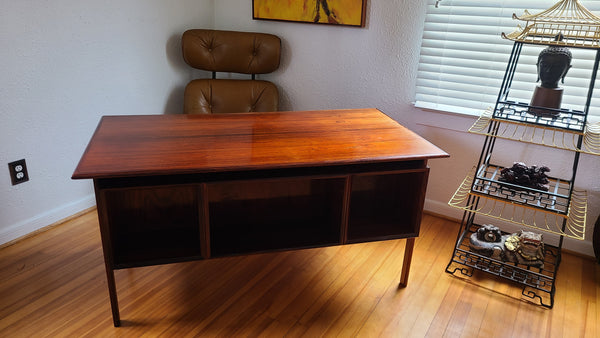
(232, 52)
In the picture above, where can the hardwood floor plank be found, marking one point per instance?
(361, 293)
(369, 290)
(400, 309)
(449, 319)
(572, 271)
(53, 284)
(479, 299)
(251, 302)
(317, 276)
(593, 314)
(328, 306)
(531, 320)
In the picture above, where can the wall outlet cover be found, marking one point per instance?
(18, 172)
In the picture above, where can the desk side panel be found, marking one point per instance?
(386, 205)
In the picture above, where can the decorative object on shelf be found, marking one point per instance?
(336, 12)
(531, 177)
(525, 247)
(488, 241)
(553, 64)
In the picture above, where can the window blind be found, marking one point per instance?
(463, 57)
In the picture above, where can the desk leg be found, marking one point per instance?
(408, 252)
(107, 252)
(112, 292)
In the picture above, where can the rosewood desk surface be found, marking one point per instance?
(149, 145)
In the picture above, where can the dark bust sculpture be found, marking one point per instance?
(553, 64)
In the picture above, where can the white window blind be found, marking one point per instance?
(464, 58)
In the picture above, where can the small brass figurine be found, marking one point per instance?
(553, 64)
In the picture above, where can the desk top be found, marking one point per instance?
(148, 145)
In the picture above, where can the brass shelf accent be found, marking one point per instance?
(494, 206)
(541, 135)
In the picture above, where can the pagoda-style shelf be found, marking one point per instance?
(538, 283)
(561, 210)
(543, 135)
(570, 224)
(571, 120)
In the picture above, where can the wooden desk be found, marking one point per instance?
(171, 188)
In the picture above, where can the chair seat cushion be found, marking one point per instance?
(214, 96)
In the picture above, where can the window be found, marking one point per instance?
(464, 58)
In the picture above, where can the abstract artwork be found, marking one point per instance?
(335, 12)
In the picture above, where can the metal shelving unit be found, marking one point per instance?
(557, 208)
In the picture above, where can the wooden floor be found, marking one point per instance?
(53, 284)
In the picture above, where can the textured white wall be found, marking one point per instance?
(64, 63)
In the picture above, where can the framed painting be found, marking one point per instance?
(333, 12)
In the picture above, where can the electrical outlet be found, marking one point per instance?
(18, 172)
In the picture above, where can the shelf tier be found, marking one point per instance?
(565, 119)
(541, 135)
(538, 282)
(556, 199)
(571, 224)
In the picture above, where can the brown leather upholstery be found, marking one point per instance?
(206, 96)
(233, 52)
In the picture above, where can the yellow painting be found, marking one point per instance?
(337, 12)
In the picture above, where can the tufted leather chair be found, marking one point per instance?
(232, 52)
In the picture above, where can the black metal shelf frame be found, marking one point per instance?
(567, 119)
(537, 283)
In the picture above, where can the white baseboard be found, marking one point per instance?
(440, 208)
(581, 247)
(38, 222)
